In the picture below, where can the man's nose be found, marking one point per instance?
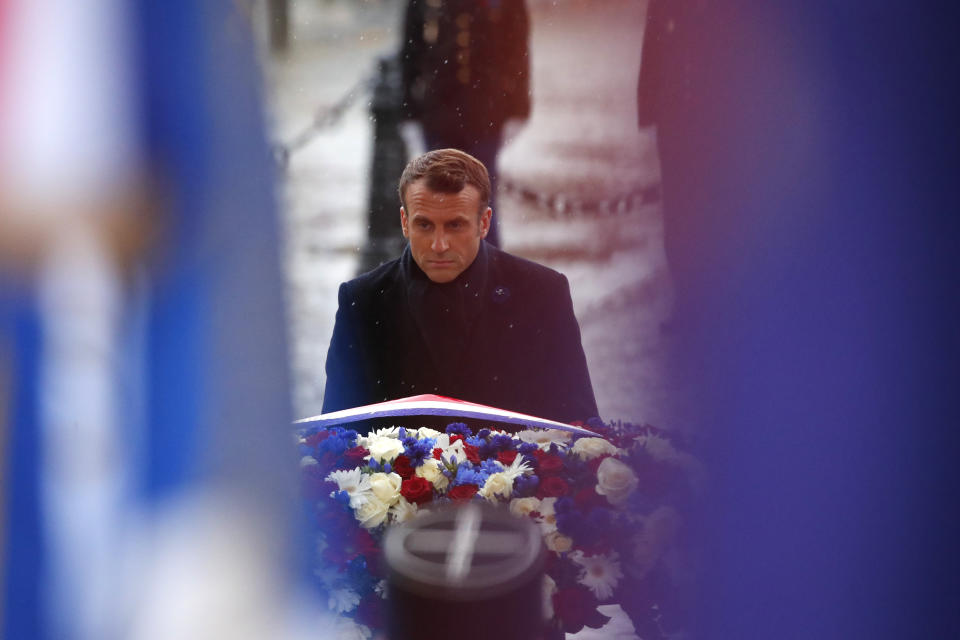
(440, 243)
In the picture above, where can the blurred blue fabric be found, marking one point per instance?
(212, 355)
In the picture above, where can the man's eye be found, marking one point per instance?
(456, 224)
(422, 224)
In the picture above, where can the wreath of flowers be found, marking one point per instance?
(609, 507)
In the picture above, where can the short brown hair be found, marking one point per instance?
(446, 171)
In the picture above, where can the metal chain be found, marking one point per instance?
(323, 118)
(560, 205)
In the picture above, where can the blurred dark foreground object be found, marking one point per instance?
(473, 568)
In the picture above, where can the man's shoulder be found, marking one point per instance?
(514, 267)
(377, 282)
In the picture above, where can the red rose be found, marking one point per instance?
(507, 457)
(353, 457)
(463, 492)
(402, 467)
(577, 608)
(594, 464)
(316, 438)
(548, 464)
(437, 453)
(589, 498)
(455, 437)
(417, 490)
(553, 487)
(473, 454)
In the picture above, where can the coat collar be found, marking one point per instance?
(445, 314)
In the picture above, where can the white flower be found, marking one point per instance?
(385, 449)
(386, 486)
(517, 468)
(615, 480)
(656, 535)
(659, 448)
(308, 461)
(343, 599)
(557, 542)
(372, 513)
(599, 573)
(455, 451)
(590, 448)
(523, 507)
(549, 588)
(403, 510)
(543, 438)
(347, 629)
(432, 471)
(355, 483)
(427, 432)
(386, 432)
(548, 517)
(497, 485)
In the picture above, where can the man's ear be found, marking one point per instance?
(403, 223)
(485, 222)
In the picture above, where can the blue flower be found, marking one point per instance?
(525, 486)
(502, 442)
(527, 448)
(468, 475)
(598, 425)
(483, 433)
(459, 427)
(476, 441)
(342, 498)
(490, 467)
(486, 450)
(571, 523)
(418, 450)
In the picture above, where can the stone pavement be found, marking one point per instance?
(615, 265)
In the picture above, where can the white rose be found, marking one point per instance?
(308, 461)
(659, 448)
(432, 471)
(372, 513)
(386, 486)
(523, 507)
(403, 510)
(558, 542)
(497, 485)
(385, 449)
(427, 432)
(590, 448)
(615, 480)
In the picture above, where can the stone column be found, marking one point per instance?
(580, 156)
(578, 192)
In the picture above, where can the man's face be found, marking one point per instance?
(445, 229)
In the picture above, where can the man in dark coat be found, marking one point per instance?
(465, 73)
(455, 316)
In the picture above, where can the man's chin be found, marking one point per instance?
(441, 276)
(441, 271)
